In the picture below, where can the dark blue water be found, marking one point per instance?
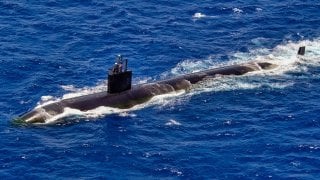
(259, 126)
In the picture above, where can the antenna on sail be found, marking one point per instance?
(119, 78)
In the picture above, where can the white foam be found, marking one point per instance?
(161, 100)
(46, 98)
(74, 92)
(164, 100)
(283, 55)
(70, 88)
(199, 15)
(143, 80)
(127, 114)
(42, 103)
(237, 10)
(172, 122)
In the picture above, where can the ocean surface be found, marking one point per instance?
(263, 125)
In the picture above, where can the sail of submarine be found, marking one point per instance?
(121, 95)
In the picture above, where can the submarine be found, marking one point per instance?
(121, 94)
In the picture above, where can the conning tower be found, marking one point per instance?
(119, 78)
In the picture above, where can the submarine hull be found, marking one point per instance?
(137, 94)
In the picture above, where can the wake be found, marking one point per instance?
(284, 56)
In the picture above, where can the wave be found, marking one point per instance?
(283, 55)
(237, 10)
(71, 114)
(199, 15)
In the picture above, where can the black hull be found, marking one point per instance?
(138, 94)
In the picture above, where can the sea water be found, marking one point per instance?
(262, 125)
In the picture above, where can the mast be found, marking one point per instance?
(119, 78)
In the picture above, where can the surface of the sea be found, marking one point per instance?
(263, 125)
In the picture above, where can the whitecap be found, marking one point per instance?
(70, 88)
(127, 114)
(237, 10)
(173, 122)
(199, 15)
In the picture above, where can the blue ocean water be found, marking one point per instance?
(259, 126)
